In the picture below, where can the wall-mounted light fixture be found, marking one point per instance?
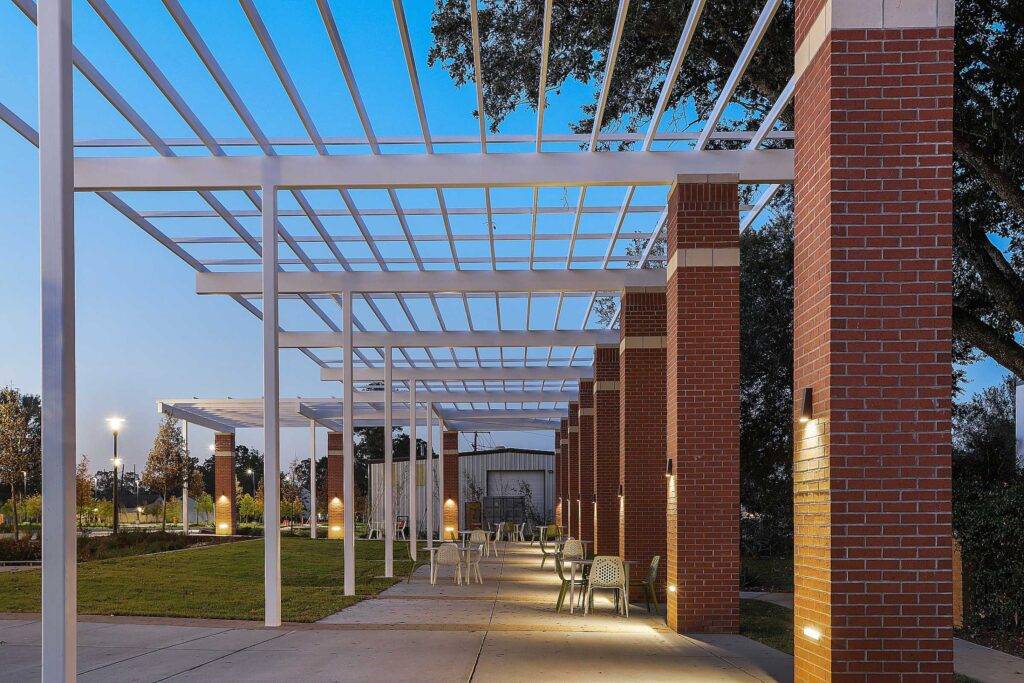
(669, 471)
(620, 491)
(812, 633)
(806, 409)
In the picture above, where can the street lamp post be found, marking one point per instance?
(115, 427)
(252, 474)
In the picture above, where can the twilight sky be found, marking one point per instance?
(142, 333)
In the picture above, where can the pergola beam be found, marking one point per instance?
(546, 169)
(370, 282)
(480, 339)
(463, 374)
(191, 417)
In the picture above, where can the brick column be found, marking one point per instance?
(450, 490)
(872, 330)
(335, 485)
(606, 450)
(642, 428)
(558, 476)
(563, 493)
(225, 506)
(585, 448)
(703, 358)
(573, 522)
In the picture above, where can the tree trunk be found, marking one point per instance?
(163, 511)
(14, 508)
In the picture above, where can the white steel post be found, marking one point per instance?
(413, 533)
(271, 417)
(57, 285)
(312, 479)
(389, 511)
(348, 487)
(430, 485)
(184, 481)
(440, 479)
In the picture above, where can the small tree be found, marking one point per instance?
(19, 441)
(204, 506)
(83, 490)
(164, 464)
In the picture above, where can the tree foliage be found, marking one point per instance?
(581, 31)
(20, 441)
(165, 463)
(984, 434)
(988, 116)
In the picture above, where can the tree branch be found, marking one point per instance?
(996, 272)
(1000, 182)
(1000, 347)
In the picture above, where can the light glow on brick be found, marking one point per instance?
(812, 633)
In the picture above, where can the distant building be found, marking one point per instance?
(503, 484)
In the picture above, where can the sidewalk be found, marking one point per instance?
(977, 661)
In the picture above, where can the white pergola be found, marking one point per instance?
(399, 304)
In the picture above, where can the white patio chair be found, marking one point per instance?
(573, 549)
(474, 554)
(447, 555)
(480, 538)
(521, 532)
(607, 572)
(400, 530)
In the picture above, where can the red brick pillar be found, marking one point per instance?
(573, 522)
(335, 485)
(585, 447)
(225, 506)
(558, 476)
(642, 428)
(450, 486)
(606, 450)
(703, 470)
(872, 330)
(563, 493)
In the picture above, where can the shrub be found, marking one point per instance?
(986, 519)
(22, 550)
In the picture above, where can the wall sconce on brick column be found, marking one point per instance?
(669, 471)
(807, 408)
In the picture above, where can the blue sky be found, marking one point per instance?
(142, 332)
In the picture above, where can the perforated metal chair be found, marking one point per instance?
(573, 549)
(447, 555)
(474, 553)
(607, 572)
(648, 584)
(566, 581)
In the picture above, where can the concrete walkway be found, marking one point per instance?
(503, 630)
(977, 661)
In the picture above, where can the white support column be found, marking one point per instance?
(271, 416)
(412, 470)
(440, 478)
(389, 509)
(430, 482)
(57, 280)
(312, 479)
(348, 487)
(184, 481)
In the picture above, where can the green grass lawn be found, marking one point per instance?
(222, 581)
(767, 623)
